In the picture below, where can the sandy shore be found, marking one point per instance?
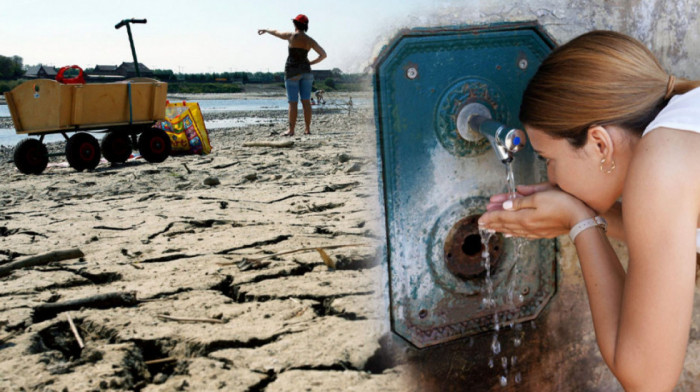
(168, 271)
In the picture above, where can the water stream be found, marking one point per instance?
(490, 302)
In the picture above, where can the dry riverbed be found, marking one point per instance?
(171, 292)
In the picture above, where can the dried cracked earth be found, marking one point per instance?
(180, 286)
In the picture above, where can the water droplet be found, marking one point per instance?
(513, 360)
(504, 381)
(496, 346)
(518, 378)
(533, 325)
(491, 363)
(517, 342)
(521, 299)
(518, 327)
(504, 362)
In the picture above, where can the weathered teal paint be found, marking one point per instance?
(431, 178)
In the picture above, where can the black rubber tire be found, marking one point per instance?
(31, 156)
(116, 147)
(154, 145)
(83, 151)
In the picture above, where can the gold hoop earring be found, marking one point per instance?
(607, 171)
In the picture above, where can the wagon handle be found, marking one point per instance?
(125, 21)
(131, 40)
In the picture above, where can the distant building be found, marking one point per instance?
(41, 72)
(104, 74)
(104, 70)
(125, 70)
(129, 71)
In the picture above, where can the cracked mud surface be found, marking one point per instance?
(176, 249)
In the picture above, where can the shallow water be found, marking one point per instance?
(9, 138)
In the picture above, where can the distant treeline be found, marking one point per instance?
(12, 71)
(218, 81)
(11, 67)
(168, 75)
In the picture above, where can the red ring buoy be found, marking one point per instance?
(80, 79)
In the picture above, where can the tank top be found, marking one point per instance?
(297, 63)
(682, 112)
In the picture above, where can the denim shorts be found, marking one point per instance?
(299, 85)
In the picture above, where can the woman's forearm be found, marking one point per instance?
(604, 278)
(278, 34)
(321, 53)
(317, 60)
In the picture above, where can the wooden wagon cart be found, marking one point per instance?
(126, 111)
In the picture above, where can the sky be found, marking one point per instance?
(198, 36)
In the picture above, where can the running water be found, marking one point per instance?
(489, 300)
(510, 180)
(510, 300)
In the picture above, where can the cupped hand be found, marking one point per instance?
(262, 31)
(496, 201)
(539, 212)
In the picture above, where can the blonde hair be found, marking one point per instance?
(599, 78)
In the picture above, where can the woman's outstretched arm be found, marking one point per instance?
(279, 34)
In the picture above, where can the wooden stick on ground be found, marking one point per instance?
(295, 251)
(194, 320)
(287, 143)
(75, 331)
(45, 258)
(162, 360)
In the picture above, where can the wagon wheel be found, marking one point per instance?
(154, 145)
(116, 147)
(83, 151)
(31, 156)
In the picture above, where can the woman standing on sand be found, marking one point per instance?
(297, 70)
(611, 124)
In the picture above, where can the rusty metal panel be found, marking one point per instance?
(436, 183)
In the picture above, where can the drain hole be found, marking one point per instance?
(472, 245)
(463, 249)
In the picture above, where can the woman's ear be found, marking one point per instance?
(600, 142)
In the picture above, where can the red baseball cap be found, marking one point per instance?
(301, 18)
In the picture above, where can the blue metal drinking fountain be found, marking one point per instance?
(433, 87)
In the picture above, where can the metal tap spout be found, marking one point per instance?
(506, 141)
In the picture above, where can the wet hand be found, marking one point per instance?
(544, 213)
(496, 201)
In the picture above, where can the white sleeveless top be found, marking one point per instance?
(682, 112)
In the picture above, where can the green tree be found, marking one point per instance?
(10, 67)
(165, 75)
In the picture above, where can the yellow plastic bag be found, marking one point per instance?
(185, 126)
